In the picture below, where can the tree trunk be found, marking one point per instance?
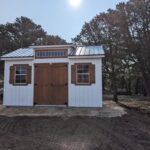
(115, 96)
(114, 83)
(146, 78)
(146, 83)
(137, 86)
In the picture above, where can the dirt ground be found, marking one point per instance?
(129, 132)
(109, 109)
(139, 103)
(142, 105)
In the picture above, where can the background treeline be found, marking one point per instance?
(124, 33)
(125, 36)
(23, 33)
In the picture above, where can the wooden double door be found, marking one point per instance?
(51, 84)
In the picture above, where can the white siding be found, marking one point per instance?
(23, 95)
(17, 95)
(86, 96)
(78, 96)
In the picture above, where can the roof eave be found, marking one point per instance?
(86, 56)
(52, 46)
(17, 58)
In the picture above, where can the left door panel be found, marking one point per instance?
(42, 88)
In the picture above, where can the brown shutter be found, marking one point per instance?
(92, 73)
(12, 75)
(73, 74)
(29, 74)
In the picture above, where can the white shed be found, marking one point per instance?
(54, 75)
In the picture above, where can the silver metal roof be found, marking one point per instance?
(74, 51)
(87, 51)
(22, 52)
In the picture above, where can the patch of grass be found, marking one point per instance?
(1, 78)
(108, 97)
(127, 97)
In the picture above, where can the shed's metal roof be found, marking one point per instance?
(87, 51)
(74, 51)
(22, 52)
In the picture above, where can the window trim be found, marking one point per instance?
(89, 73)
(19, 84)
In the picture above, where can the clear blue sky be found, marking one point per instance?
(57, 17)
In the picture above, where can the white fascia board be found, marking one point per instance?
(16, 58)
(92, 57)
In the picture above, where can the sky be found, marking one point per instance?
(57, 17)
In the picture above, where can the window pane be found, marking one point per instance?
(62, 53)
(79, 67)
(20, 79)
(43, 54)
(47, 54)
(83, 69)
(56, 53)
(17, 70)
(37, 54)
(59, 53)
(79, 71)
(40, 54)
(21, 69)
(86, 68)
(53, 54)
(83, 78)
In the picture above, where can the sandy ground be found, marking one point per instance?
(143, 106)
(129, 132)
(109, 109)
(86, 129)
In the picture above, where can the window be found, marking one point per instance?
(20, 74)
(51, 53)
(83, 74)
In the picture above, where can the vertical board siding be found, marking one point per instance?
(17, 95)
(78, 95)
(22, 95)
(90, 95)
